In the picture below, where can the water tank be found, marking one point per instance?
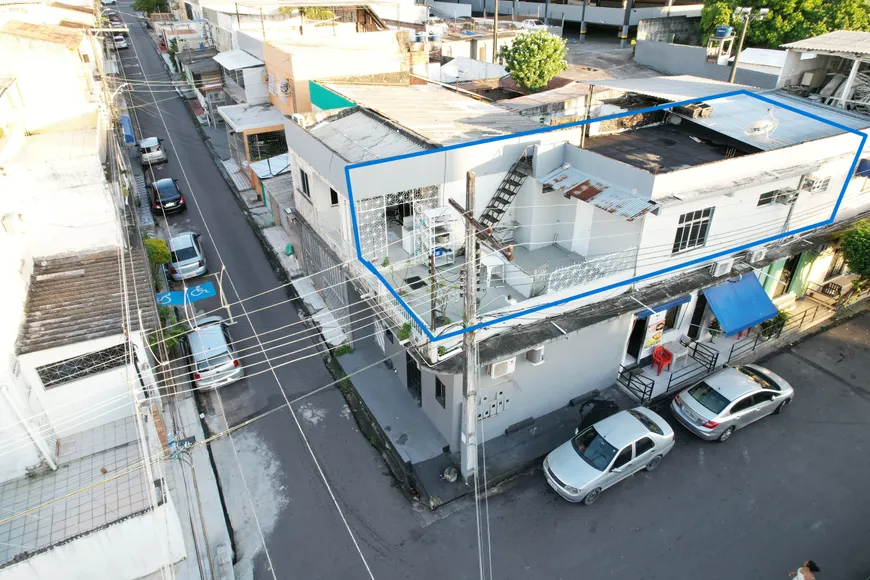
(723, 31)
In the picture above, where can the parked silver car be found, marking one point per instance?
(608, 452)
(151, 151)
(187, 260)
(214, 362)
(730, 399)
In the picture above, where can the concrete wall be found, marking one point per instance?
(678, 59)
(403, 11)
(798, 63)
(667, 29)
(130, 549)
(594, 14)
(88, 402)
(256, 89)
(572, 366)
(451, 9)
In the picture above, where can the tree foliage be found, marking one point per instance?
(149, 6)
(789, 20)
(534, 58)
(856, 249)
(158, 252)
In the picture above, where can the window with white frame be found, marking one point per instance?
(303, 180)
(692, 230)
(767, 198)
(815, 184)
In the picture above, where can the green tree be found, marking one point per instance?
(856, 249)
(158, 253)
(149, 6)
(789, 20)
(534, 58)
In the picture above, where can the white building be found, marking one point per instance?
(72, 342)
(600, 241)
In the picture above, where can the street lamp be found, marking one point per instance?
(745, 14)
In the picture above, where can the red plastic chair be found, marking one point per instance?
(662, 357)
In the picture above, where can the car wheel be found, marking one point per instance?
(782, 407)
(592, 496)
(726, 435)
(654, 463)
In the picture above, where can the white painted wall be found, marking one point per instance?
(127, 550)
(574, 365)
(19, 450)
(91, 401)
(403, 11)
(256, 89)
(451, 9)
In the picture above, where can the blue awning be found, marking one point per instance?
(863, 169)
(128, 129)
(662, 307)
(740, 303)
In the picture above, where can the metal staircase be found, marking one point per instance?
(506, 192)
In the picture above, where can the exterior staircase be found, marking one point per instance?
(506, 192)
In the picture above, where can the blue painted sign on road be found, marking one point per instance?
(194, 293)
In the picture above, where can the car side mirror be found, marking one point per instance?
(577, 431)
(617, 470)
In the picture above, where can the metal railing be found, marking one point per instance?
(793, 324)
(705, 358)
(638, 385)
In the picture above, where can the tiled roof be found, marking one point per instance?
(77, 298)
(56, 34)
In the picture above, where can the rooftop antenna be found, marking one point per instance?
(762, 127)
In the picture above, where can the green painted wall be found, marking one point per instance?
(324, 99)
(772, 279)
(802, 274)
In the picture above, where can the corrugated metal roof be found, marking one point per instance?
(245, 116)
(673, 88)
(236, 59)
(56, 34)
(837, 41)
(272, 167)
(559, 95)
(763, 57)
(604, 196)
(437, 114)
(360, 137)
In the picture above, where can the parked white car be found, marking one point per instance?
(607, 452)
(119, 42)
(533, 24)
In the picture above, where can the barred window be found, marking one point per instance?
(693, 230)
(79, 367)
(266, 145)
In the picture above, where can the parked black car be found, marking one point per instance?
(165, 197)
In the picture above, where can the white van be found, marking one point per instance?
(151, 151)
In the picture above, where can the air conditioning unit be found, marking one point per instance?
(785, 196)
(500, 369)
(722, 267)
(757, 255)
(535, 356)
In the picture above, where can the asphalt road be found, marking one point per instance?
(788, 488)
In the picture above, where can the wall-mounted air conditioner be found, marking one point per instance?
(535, 356)
(722, 267)
(757, 255)
(785, 196)
(502, 368)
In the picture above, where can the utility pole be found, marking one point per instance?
(494, 39)
(262, 25)
(582, 21)
(623, 34)
(469, 374)
(745, 14)
(238, 18)
(432, 288)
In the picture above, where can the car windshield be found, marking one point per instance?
(709, 397)
(759, 378)
(593, 449)
(213, 362)
(167, 190)
(646, 421)
(184, 254)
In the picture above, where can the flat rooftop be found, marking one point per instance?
(439, 115)
(360, 136)
(243, 117)
(657, 149)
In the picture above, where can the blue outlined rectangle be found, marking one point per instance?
(707, 258)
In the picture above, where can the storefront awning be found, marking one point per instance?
(662, 307)
(740, 303)
(128, 129)
(236, 59)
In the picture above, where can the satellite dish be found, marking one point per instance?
(762, 127)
